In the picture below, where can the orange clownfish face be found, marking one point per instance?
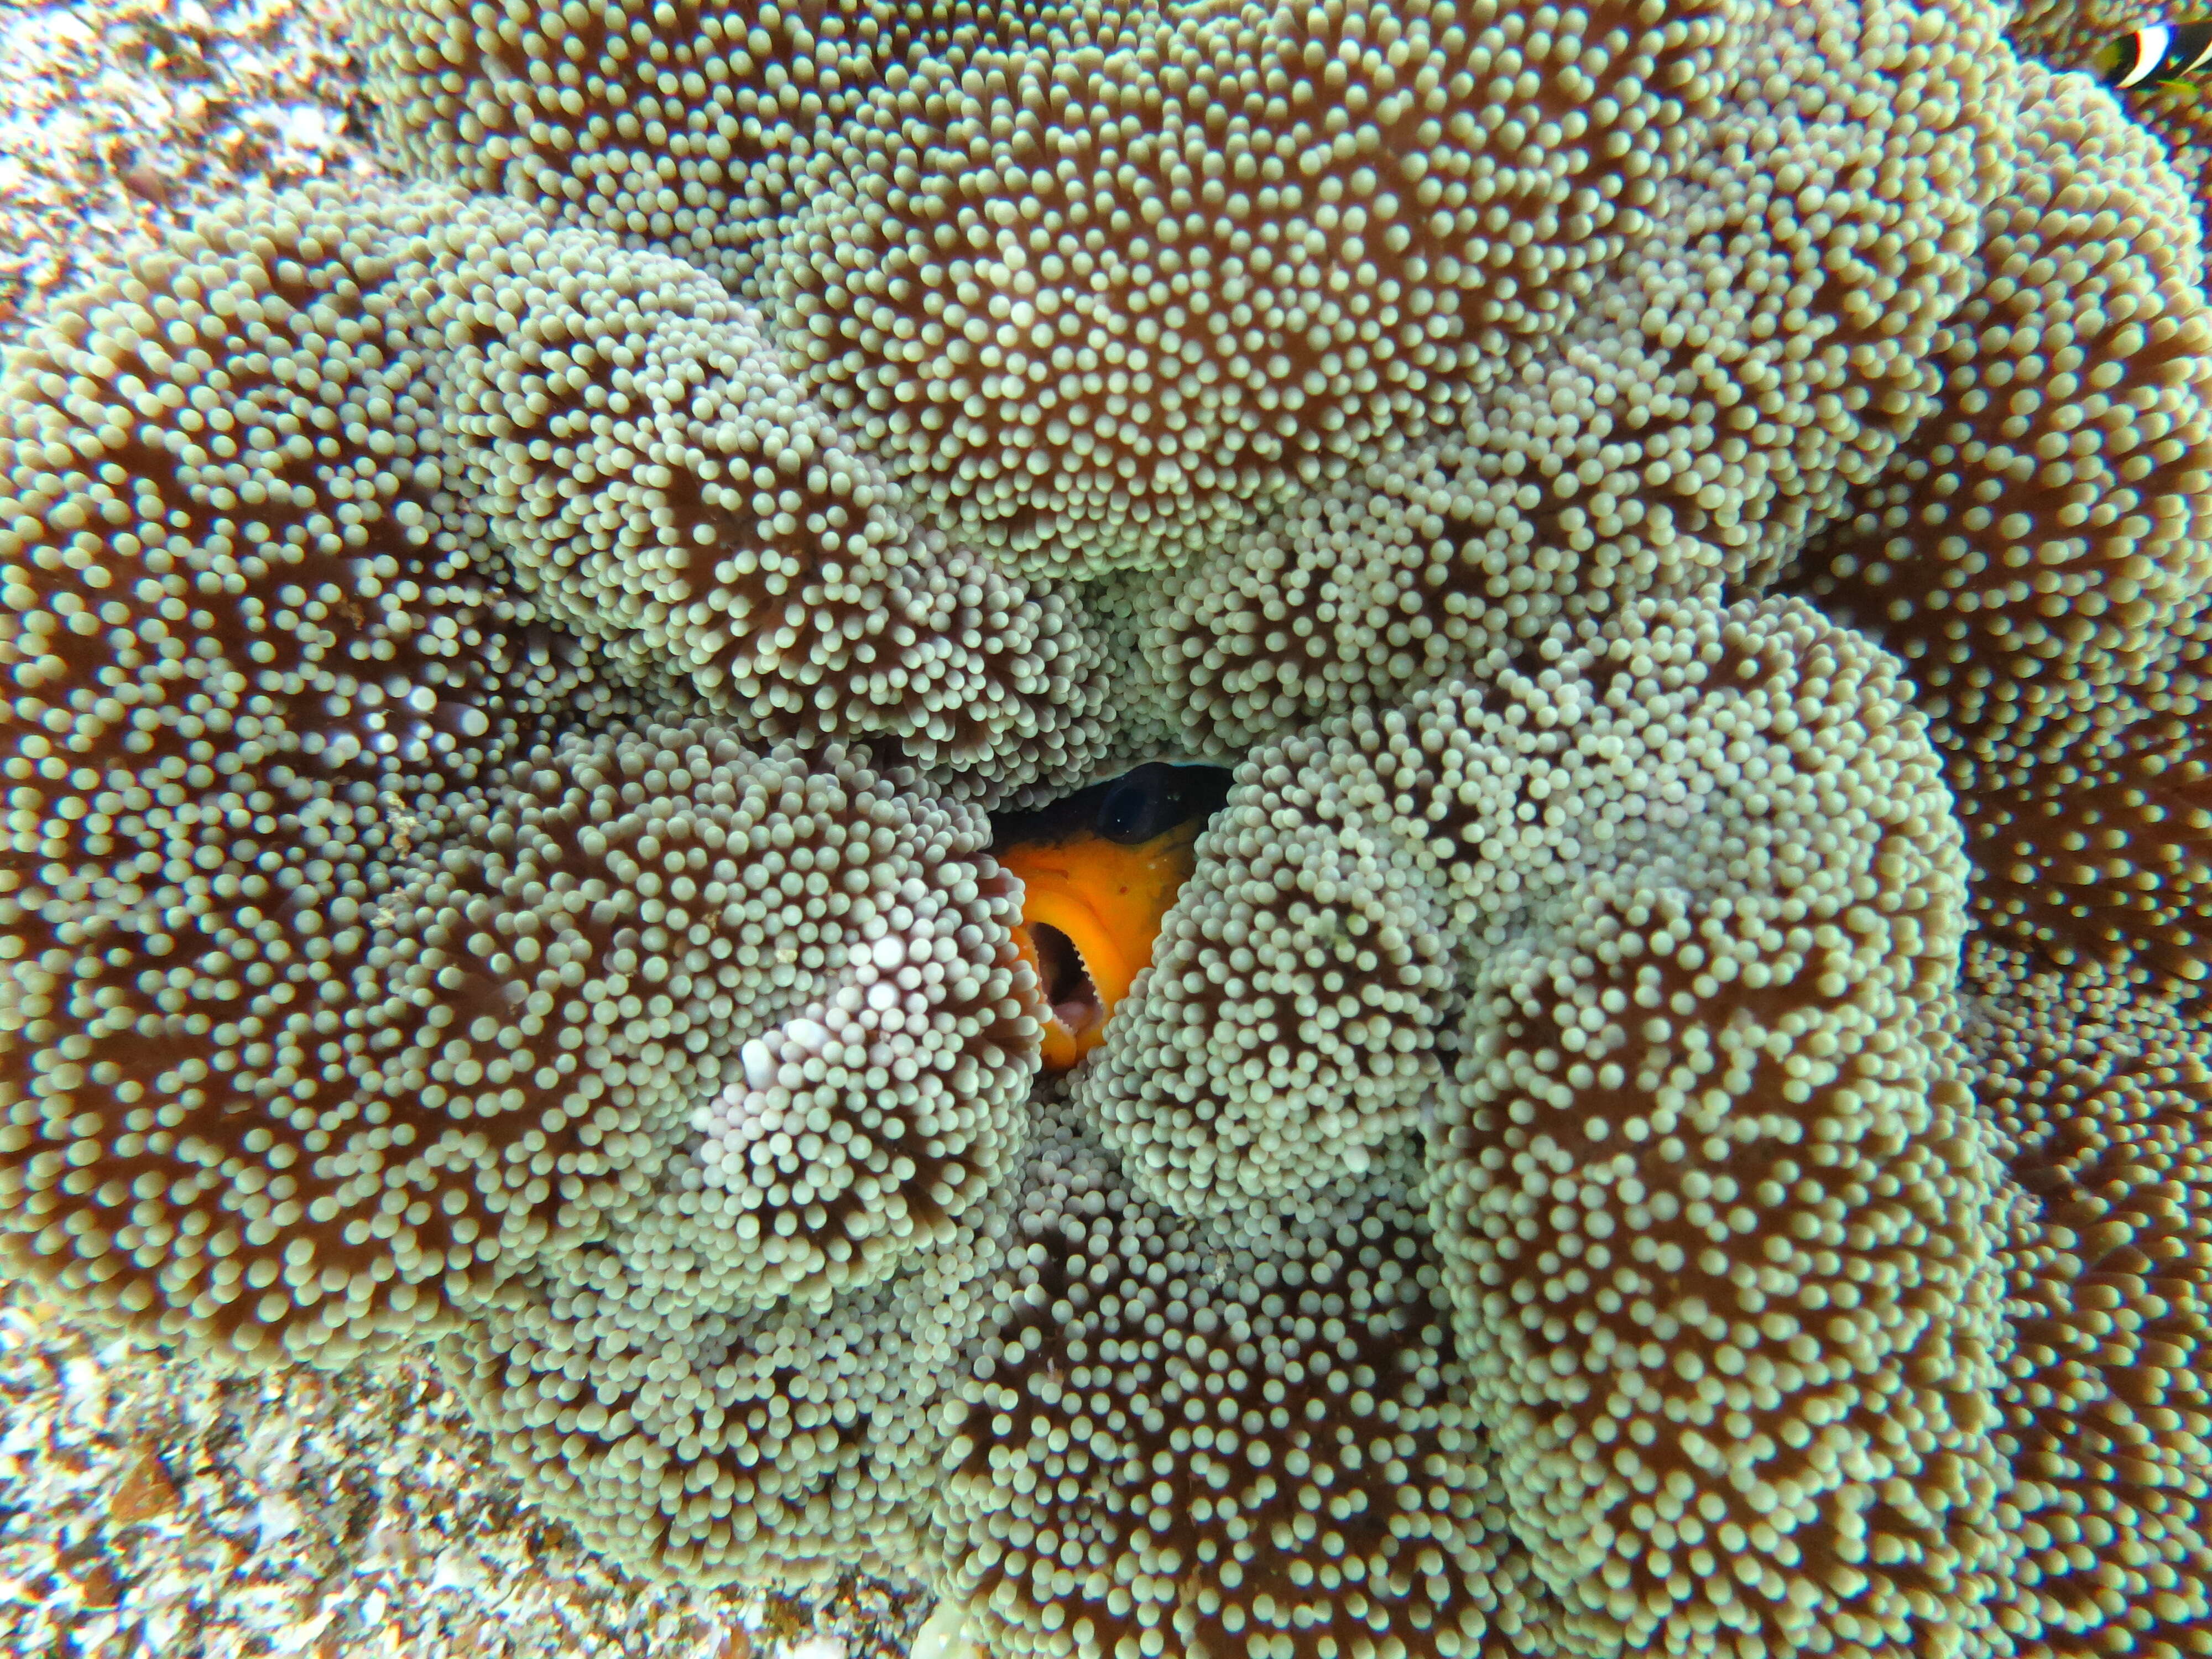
(1099, 872)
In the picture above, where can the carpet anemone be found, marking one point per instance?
(1655, 1106)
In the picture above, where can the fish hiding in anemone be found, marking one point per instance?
(2156, 53)
(1099, 870)
(1670, 1117)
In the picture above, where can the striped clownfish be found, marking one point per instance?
(1099, 870)
(2156, 52)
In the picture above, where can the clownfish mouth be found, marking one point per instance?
(1099, 872)
(1069, 990)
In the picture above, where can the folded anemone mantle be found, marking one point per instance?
(1671, 1114)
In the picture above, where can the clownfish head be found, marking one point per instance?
(1099, 872)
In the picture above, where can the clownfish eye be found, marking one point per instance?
(1156, 798)
(1131, 811)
